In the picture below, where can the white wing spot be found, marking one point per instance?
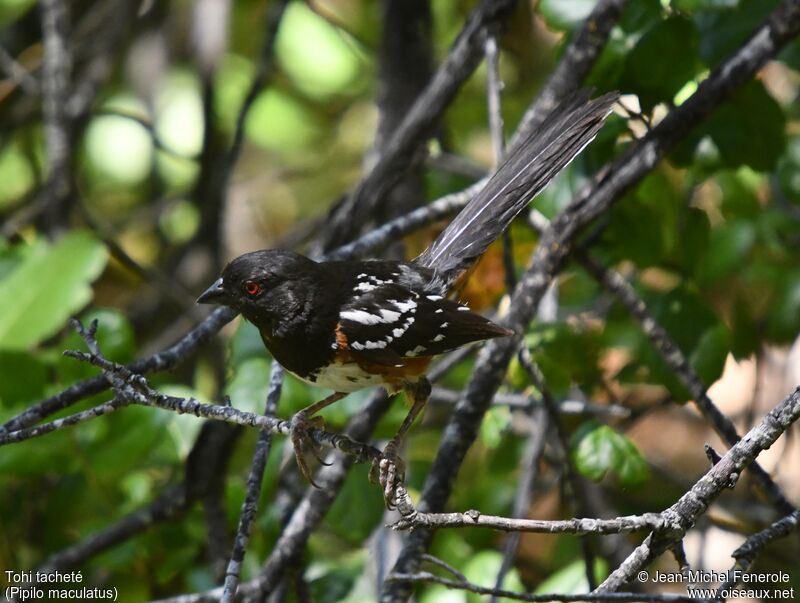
(375, 345)
(390, 315)
(439, 311)
(365, 287)
(404, 306)
(438, 337)
(417, 350)
(434, 297)
(360, 316)
(463, 309)
(443, 325)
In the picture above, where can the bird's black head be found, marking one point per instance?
(264, 285)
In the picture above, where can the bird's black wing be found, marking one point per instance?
(390, 322)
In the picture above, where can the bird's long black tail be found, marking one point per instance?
(526, 171)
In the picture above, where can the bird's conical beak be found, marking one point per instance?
(215, 294)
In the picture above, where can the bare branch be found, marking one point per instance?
(475, 519)
(747, 552)
(572, 70)
(169, 504)
(681, 516)
(157, 362)
(56, 71)
(508, 594)
(254, 480)
(617, 284)
(411, 135)
(534, 447)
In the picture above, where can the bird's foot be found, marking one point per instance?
(301, 423)
(388, 470)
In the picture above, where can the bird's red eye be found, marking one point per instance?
(251, 288)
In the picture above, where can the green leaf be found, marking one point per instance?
(783, 322)
(610, 65)
(640, 15)
(749, 129)
(495, 423)
(482, 569)
(694, 235)
(281, 123)
(126, 440)
(725, 24)
(634, 233)
(246, 343)
(598, 450)
(682, 313)
(357, 493)
(565, 14)
(745, 337)
(11, 10)
(695, 5)
(708, 357)
(22, 377)
(789, 171)
(643, 225)
(50, 285)
(314, 54)
(16, 174)
(12, 256)
(566, 355)
(571, 579)
(729, 245)
(649, 75)
(740, 193)
(248, 388)
(602, 149)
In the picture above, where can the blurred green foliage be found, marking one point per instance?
(715, 228)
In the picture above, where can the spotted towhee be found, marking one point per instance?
(349, 325)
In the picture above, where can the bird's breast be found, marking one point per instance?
(344, 377)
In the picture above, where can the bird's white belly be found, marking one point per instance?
(347, 377)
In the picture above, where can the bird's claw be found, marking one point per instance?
(388, 470)
(300, 424)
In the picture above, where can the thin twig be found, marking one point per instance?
(493, 88)
(475, 519)
(574, 488)
(167, 506)
(681, 516)
(747, 552)
(254, 480)
(56, 72)
(534, 447)
(160, 361)
(427, 577)
(615, 283)
(409, 138)
(17, 73)
(575, 65)
(132, 388)
(523, 401)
